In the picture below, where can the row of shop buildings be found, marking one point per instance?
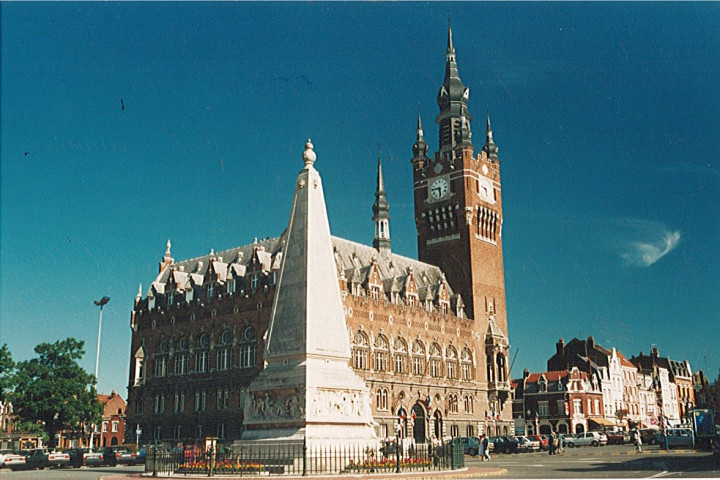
(590, 387)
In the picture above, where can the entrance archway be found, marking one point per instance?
(562, 428)
(545, 429)
(419, 427)
(579, 428)
(437, 424)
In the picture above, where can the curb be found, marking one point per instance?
(439, 475)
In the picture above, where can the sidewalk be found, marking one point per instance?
(473, 472)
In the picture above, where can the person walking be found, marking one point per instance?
(551, 438)
(560, 446)
(485, 448)
(638, 440)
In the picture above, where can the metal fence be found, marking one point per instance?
(300, 459)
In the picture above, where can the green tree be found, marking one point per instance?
(54, 390)
(7, 368)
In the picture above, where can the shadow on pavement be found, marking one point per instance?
(658, 463)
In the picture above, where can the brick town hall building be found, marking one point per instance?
(429, 336)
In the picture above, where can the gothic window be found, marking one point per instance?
(200, 400)
(501, 373)
(201, 361)
(381, 399)
(248, 348)
(466, 364)
(453, 403)
(435, 360)
(226, 337)
(179, 402)
(222, 398)
(161, 366)
(223, 359)
(490, 369)
(380, 354)
(418, 358)
(468, 403)
(360, 351)
(401, 356)
(181, 363)
(451, 363)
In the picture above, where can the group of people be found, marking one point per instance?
(555, 444)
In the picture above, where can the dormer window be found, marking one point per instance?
(254, 280)
(170, 298)
(411, 300)
(210, 291)
(444, 307)
(231, 286)
(375, 292)
(542, 384)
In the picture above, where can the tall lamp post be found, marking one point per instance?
(99, 303)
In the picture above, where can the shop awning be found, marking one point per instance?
(602, 421)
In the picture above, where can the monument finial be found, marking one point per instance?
(309, 155)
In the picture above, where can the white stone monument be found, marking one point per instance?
(307, 391)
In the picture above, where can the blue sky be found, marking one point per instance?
(606, 117)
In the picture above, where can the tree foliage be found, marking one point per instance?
(54, 390)
(7, 368)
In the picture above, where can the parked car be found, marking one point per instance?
(617, 437)
(543, 440)
(12, 460)
(42, 458)
(587, 438)
(531, 445)
(567, 438)
(471, 445)
(649, 435)
(676, 437)
(505, 445)
(83, 457)
(118, 455)
(140, 457)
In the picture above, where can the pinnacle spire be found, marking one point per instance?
(420, 148)
(490, 148)
(453, 102)
(381, 216)
(450, 47)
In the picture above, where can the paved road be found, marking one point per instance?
(83, 473)
(616, 461)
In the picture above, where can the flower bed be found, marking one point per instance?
(221, 466)
(388, 465)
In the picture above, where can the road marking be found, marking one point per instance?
(660, 465)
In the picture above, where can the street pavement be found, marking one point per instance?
(616, 461)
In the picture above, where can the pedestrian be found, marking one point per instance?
(638, 440)
(486, 448)
(551, 438)
(560, 447)
(481, 448)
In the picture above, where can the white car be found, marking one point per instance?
(594, 439)
(532, 444)
(9, 459)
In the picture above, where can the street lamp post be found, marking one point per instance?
(100, 303)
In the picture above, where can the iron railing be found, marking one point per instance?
(300, 459)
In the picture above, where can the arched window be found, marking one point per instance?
(466, 364)
(201, 354)
(468, 403)
(501, 373)
(380, 354)
(223, 359)
(248, 348)
(452, 403)
(451, 362)
(360, 351)
(381, 399)
(418, 358)
(435, 360)
(490, 369)
(401, 356)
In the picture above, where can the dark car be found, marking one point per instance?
(80, 457)
(118, 455)
(471, 445)
(505, 445)
(617, 437)
(649, 435)
(42, 458)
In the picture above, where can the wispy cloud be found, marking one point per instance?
(655, 241)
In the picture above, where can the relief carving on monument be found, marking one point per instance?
(271, 405)
(347, 405)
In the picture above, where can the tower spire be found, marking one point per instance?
(420, 148)
(490, 148)
(381, 216)
(453, 102)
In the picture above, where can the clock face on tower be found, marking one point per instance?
(439, 188)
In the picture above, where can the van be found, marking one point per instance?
(676, 437)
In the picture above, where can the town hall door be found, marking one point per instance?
(419, 428)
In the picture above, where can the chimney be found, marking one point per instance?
(560, 347)
(526, 373)
(654, 353)
(591, 342)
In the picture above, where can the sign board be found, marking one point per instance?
(704, 422)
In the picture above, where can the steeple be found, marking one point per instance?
(453, 100)
(420, 148)
(490, 148)
(381, 217)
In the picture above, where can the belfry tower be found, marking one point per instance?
(458, 203)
